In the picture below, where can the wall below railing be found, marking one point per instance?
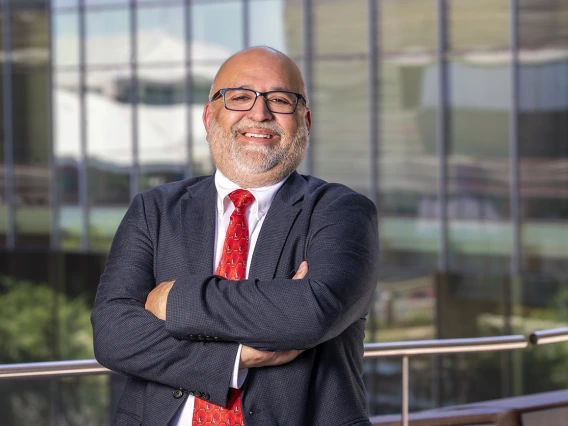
(544, 409)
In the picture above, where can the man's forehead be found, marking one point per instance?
(254, 87)
(245, 69)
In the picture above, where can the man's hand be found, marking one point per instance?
(158, 299)
(251, 357)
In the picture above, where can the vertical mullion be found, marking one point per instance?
(308, 73)
(55, 241)
(82, 165)
(373, 157)
(442, 134)
(188, 90)
(374, 93)
(515, 190)
(442, 151)
(8, 125)
(246, 23)
(514, 198)
(135, 168)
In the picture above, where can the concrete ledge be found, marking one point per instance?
(517, 411)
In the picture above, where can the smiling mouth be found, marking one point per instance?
(258, 135)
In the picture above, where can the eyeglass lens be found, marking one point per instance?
(243, 100)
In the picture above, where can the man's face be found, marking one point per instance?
(257, 147)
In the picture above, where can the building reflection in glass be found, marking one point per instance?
(107, 99)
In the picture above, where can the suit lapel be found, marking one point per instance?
(277, 225)
(198, 217)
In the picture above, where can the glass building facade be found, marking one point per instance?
(451, 115)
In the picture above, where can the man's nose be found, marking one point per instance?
(260, 111)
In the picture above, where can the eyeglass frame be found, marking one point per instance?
(221, 93)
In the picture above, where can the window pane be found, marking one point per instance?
(408, 25)
(109, 149)
(206, 21)
(478, 167)
(268, 24)
(31, 155)
(293, 27)
(3, 188)
(64, 3)
(67, 156)
(29, 31)
(333, 30)
(105, 2)
(65, 33)
(479, 24)
(108, 37)
(340, 121)
(162, 129)
(202, 78)
(161, 36)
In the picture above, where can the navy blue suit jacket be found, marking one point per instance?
(168, 234)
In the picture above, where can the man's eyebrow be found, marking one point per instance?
(272, 89)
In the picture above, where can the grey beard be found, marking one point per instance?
(262, 158)
(267, 157)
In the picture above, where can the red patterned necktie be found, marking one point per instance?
(232, 266)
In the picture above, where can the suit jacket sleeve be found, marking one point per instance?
(279, 314)
(131, 340)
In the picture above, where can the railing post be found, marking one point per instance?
(405, 390)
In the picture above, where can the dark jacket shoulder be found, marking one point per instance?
(329, 194)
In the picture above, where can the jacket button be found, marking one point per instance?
(177, 393)
(205, 396)
(200, 337)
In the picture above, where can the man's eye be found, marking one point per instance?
(240, 98)
(280, 101)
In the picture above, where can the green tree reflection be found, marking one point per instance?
(38, 323)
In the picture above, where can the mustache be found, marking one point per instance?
(247, 124)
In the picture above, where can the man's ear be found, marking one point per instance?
(207, 115)
(308, 118)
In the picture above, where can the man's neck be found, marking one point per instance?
(249, 180)
(225, 178)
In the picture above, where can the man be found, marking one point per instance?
(241, 298)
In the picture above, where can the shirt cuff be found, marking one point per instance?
(239, 376)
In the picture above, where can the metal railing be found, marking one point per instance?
(404, 350)
(33, 370)
(552, 335)
(439, 347)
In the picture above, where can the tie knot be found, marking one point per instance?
(241, 198)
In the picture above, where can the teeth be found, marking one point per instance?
(254, 135)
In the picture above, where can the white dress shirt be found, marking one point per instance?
(256, 212)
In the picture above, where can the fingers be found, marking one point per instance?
(284, 357)
(157, 299)
(302, 271)
(251, 357)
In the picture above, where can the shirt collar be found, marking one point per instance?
(263, 196)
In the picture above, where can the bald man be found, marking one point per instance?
(241, 298)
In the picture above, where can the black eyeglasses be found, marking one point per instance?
(278, 101)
